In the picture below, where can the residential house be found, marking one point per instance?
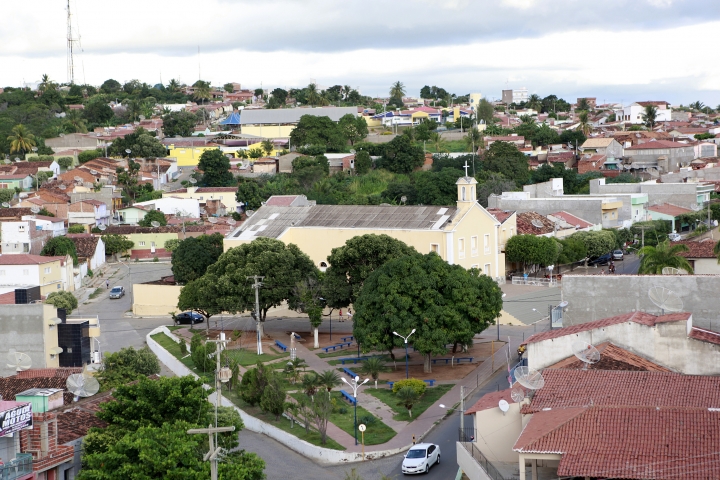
(21, 181)
(265, 165)
(15, 464)
(23, 237)
(33, 330)
(187, 152)
(705, 149)
(50, 224)
(567, 158)
(149, 242)
(133, 214)
(90, 249)
(633, 113)
(285, 162)
(88, 212)
(663, 155)
(170, 205)
(566, 221)
(673, 213)
(602, 146)
(701, 256)
(52, 274)
(591, 163)
(682, 194)
(518, 95)
(410, 117)
(224, 194)
(35, 167)
(464, 234)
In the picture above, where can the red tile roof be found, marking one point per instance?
(704, 335)
(216, 189)
(27, 259)
(7, 298)
(490, 400)
(702, 249)
(669, 209)
(638, 443)
(657, 144)
(572, 219)
(612, 357)
(281, 200)
(501, 215)
(525, 226)
(642, 318)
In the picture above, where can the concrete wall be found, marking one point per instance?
(497, 433)
(26, 329)
(681, 194)
(699, 175)
(666, 344)
(155, 300)
(705, 266)
(468, 465)
(589, 209)
(592, 297)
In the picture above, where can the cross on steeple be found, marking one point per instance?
(466, 166)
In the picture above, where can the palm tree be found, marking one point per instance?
(310, 384)
(173, 86)
(697, 105)
(373, 367)
(346, 90)
(293, 369)
(649, 116)
(408, 397)
(21, 140)
(313, 97)
(202, 91)
(324, 100)
(527, 119)
(45, 83)
(329, 379)
(397, 90)
(74, 119)
(665, 254)
(268, 146)
(472, 139)
(534, 102)
(585, 126)
(583, 104)
(438, 142)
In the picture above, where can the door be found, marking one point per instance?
(152, 247)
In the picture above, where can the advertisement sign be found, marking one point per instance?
(15, 419)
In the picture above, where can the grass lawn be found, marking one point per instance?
(97, 292)
(283, 423)
(246, 357)
(169, 344)
(350, 352)
(453, 146)
(375, 434)
(431, 395)
(172, 328)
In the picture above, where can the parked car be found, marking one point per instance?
(189, 318)
(618, 255)
(674, 237)
(601, 260)
(117, 292)
(420, 458)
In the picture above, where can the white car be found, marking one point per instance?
(420, 458)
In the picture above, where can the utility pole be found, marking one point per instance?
(642, 229)
(256, 313)
(214, 452)
(462, 412)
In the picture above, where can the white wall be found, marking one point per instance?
(16, 274)
(706, 266)
(58, 228)
(98, 259)
(171, 205)
(15, 232)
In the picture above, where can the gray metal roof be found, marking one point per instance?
(292, 115)
(273, 221)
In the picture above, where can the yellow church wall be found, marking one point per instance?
(268, 131)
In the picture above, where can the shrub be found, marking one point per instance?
(90, 273)
(342, 410)
(418, 385)
(77, 228)
(156, 259)
(367, 420)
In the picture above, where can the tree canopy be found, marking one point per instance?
(153, 216)
(531, 250)
(665, 254)
(179, 123)
(505, 158)
(400, 155)
(115, 244)
(140, 143)
(127, 365)
(62, 299)
(315, 130)
(446, 304)
(353, 127)
(59, 247)
(194, 255)
(598, 243)
(216, 169)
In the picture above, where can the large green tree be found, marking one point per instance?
(216, 169)
(444, 303)
(485, 112)
(153, 216)
(194, 255)
(352, 264)
(59, 247)
(62, 299)
(250, 193)
(353, 127)
(505, 158)
(315, 130)
(532, 251)
(115, 244)
(597, 242)
(437, 188)
(401, 155)
(127, 365)
(649, 116)
(179, 123)
(665, 254)
(140, 143)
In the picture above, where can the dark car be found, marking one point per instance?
(601, 260)
(117, 292)
(189, 318)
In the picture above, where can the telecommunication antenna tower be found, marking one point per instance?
(70, 41)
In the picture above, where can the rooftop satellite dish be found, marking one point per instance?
(231, 221)
(102, 227)
(78, 179)
(250, 213)
(586, 353)
(19, 361)
(141, 117)
(403, 199)
(517, 393)
(6, 204)
(35, 209)
(537, 223)
(81, 385)
(529, 378)
(17, 159)
(62, 187)
(504, 406)
(193, 181)
(94, 172)
(61, 135)
(155, 223)
(7, 160)
(203, 211)
(213, 220)
(696, 207)
(666, 299)
(673, 271)
(352, 151)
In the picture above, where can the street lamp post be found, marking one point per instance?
(405, 339)
(498, 320)
(355, 385)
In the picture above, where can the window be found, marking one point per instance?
(461, 248)
(486, 270)
(200, 198)
(475, 266)
(486, 243)
(434, 247)
(47, 269)
(58, 286)
(21, 228)
(26, 248)
(220, 197)
(152, 244)
(142, 244)
(26, 271)
(2, 273)
(474, 246)
(463, 194)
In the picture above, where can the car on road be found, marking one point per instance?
(674, 237)
(618, 255)
(188, 318)
(420, 458)
(117, 292)
(601, 260)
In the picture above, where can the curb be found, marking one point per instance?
(320, 454)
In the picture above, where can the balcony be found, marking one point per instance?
(19, 467)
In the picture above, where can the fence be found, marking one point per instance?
(484, 463)
(18, 467)
(466, 434)
(539, 282)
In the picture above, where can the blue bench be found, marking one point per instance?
(354, 360)
(350, 372)
(457, 360)
(339, 345)
(297, 336)
(280, 345)
(345, 339)
(429, 382)
(348, 397)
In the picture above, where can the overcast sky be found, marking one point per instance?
(615, 50)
